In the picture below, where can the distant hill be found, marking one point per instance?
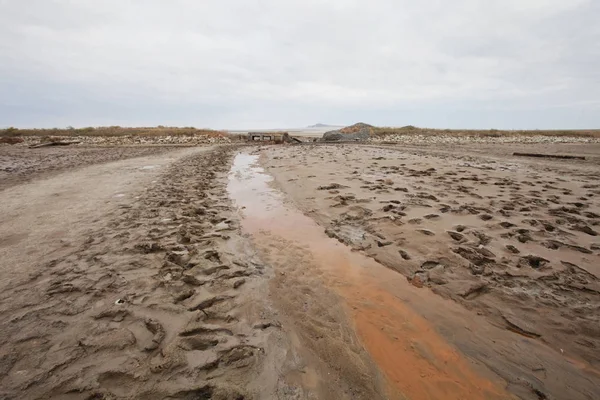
(319, 125)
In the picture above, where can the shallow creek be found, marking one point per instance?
(417, 362)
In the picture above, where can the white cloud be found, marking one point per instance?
(282, 57)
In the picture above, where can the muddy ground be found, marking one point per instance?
(513, 240)
(298, 272)
(19, 164)
(133, 280)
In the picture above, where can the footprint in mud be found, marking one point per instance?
(332, 186)
(459, 228)
(404, 254)
(444, 208)
(426, 232)
(483, 239)
(512, 249)
(459, 237)
(533, 261)
(585, 229)
(524, 237)
(485, 217)
(477, 256)
(236, 284)
(426, 196)
(556, 244)
(506, 224)
(208, 392)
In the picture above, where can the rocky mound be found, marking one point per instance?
(359, 131)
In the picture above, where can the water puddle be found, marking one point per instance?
(417, 362)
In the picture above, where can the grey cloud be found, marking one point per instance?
(246, 63)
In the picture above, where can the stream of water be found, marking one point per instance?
(414, 358)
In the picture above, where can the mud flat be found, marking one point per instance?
(130, 280)
(299, 272)
(359, 340)
(19, 164)
(510, 246)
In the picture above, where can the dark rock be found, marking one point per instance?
(356, 132)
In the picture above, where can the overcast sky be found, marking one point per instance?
(277, 63)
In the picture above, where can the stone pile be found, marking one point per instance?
(356, 132)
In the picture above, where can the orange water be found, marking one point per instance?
(417, 362)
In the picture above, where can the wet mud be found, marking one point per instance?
(416, 362)
(158, 298)
(511, 242)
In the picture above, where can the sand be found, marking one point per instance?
(299, 272)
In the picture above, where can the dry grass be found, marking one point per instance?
(10, 140)
(112, 131)
(377, 131)
(412, 130)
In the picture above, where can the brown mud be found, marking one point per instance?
(417, 362)
(356, 273)
(129, 280)
(513, 242)
(20, 164)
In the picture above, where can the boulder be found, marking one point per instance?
(356, 132)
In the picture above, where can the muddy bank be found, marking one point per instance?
(335, 365)
(141, 279)
(160, 298)
(20, 164)
(362, 341)
(514, 243)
